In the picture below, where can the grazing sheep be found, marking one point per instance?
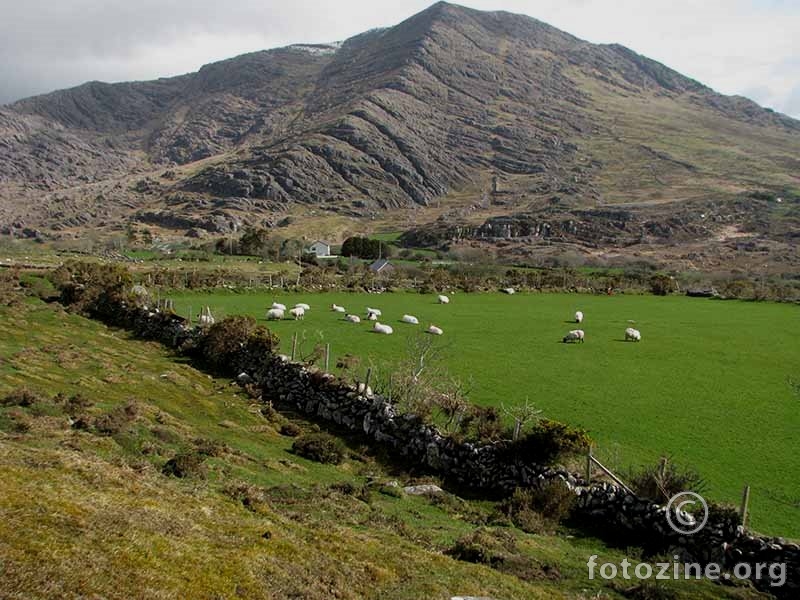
(412, 320)
(372, 316)
(298, 312)
(576, 335)
(373, 311)
(275, 314)
(206, 318)
(579, 317)
(302, 305)
(632, 335)
(384, 329)
(352, 318)
(337, 308)
(433, 329)
(508, 291)
(443, 299)
(278, 306)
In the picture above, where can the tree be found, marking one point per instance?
(362, 247)
(254, 242)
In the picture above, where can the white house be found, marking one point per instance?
(320, 249)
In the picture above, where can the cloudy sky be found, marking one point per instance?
(747, 47)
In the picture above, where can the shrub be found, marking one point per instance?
(484, 546)
(207, 447)
(93, 288)
(117, 419)
(662, 481)
(539, 509)
(550, 441)
(185, 464)
(21, 397)
(290, 430)
(661, 285)
(320, 447)
(251, 496)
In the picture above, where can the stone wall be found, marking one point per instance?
(489, 467)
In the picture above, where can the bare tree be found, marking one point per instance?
(522, 414)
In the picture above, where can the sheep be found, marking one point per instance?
(275, 314)
(576, 335)
(509, 291)
(373, 311)
(384, 329)
(410, 319)
(298, 312)
(579, 317)
(278, 306)
(632, 335)
(206, 318)
(352, 318)
(443, 299)
(337, 308)
(433, 329)
(364, 389)
(302, 305)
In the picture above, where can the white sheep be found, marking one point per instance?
(410, 319)
(278, 306)
(579, 317)
(373, 311)
(443, 299)
(275, 314)
(384, 329)
(433, 329)
(352, 318)
(206, 318)
(576, 335)
(509, 291)
(298, 312)
(337, 308)
(302, 305)
(372, 317)
(632, 335)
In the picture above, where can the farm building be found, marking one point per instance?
(320, 249)
(381, 267)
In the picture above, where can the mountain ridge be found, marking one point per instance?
(431, 110)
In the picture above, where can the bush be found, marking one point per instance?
(225, 343)
(550, 441)
(251, 496)
(320, 447)
(290, 430)
(117, 419)
(661, 482)
(93, 288)
(185, 464)
(539, 509)
(484, 546)
(21, 397)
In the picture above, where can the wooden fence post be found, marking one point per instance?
(294, 345)
(745, 505)
(366, 381)
(327, 357)
(589, 466)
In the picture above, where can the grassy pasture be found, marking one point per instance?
(709, 384)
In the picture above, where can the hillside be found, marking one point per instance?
(410, 124)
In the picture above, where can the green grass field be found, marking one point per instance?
(262, 523)
(709, 385)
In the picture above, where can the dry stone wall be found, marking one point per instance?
(480, 467)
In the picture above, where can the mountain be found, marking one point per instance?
(454, 114)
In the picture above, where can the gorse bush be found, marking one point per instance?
(539, 509)
(92, 288)
(320, 447)
(662, 481)
(227, 341)
(550, 441)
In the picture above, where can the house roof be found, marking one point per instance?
(380, 264)
(320, 242)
